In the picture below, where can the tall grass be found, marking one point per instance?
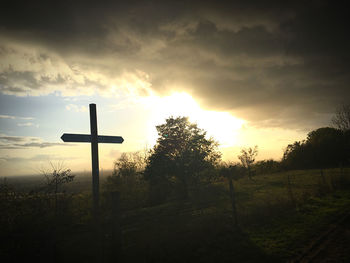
(277, 214)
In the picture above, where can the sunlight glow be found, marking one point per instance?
(222, 126)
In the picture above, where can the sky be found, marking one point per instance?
(248, 72)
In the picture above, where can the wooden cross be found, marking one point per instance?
(94, 139)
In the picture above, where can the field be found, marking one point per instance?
(279, 215)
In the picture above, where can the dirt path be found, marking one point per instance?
(332, 246)
(337, 248)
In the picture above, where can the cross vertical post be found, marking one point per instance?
(94, 139)
(94, 158)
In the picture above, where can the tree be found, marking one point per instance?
(327, 147)
(180, 157)
(267, 166)
(127, 170)
(247, 158)
(295, 155)
(55, 178)
(341, 120)
(234, 171)
(129, 164)
(324, 148)
(127, 179)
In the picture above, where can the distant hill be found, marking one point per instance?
(81, 183)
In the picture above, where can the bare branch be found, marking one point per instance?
(341, 120)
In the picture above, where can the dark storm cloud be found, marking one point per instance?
(279, 63)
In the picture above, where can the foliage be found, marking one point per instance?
(323, 148)
(127, 179)
(127, 170)
(247, 158)
(181, 157)
(267, 166)
(56, 178)
(233, 171)
(129, 164)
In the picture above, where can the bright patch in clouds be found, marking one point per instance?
(220, 125)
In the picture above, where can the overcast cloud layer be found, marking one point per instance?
(21, 142)
(280, 64)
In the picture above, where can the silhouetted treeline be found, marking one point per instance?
(178, 188)
(324, 148)
(183, 159)
(267, 166)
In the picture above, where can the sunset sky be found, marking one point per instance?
(263, 73)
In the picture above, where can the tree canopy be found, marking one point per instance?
(181, 155)
(247, 158)
(323, 148)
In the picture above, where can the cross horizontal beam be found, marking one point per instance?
(70, 137)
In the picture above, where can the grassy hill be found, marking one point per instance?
(279, 215)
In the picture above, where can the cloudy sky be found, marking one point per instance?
(248, 72)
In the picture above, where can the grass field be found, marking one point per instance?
(278, 214)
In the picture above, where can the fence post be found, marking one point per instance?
(290, 192)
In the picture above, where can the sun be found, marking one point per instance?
(222, 126)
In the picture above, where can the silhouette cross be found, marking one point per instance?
(94, 139)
